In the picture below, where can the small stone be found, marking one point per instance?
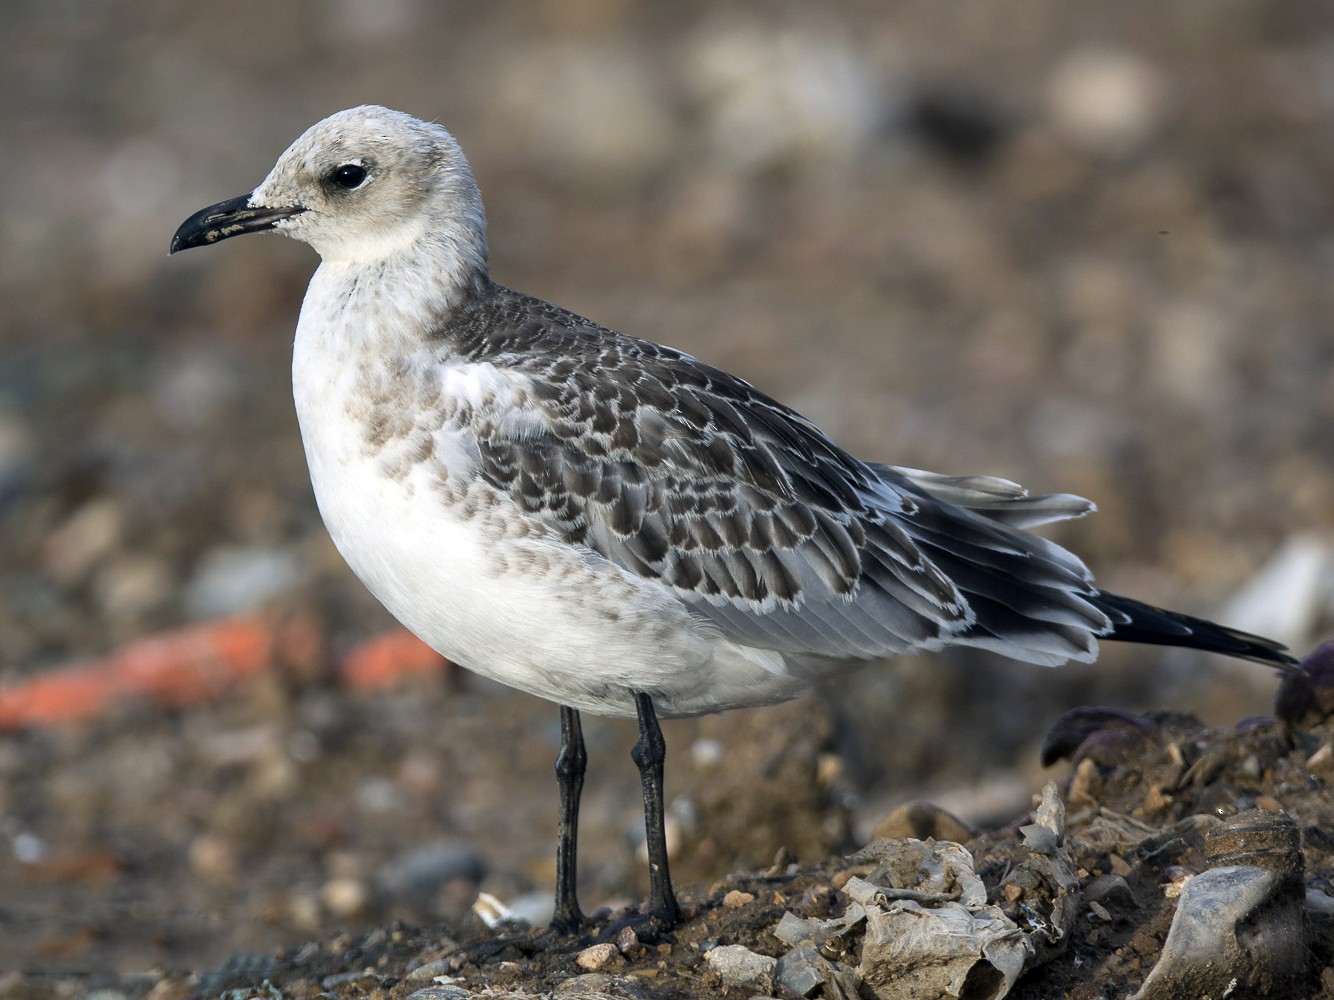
(707, 753)
(1112, 889)
(921, 820)
(801, 970)
(737, 965)
(828, 769)
(1174, 880)
(419, 876)
(213, 858)
(598, 956)
(303, 910)
(344, 896)
(1318, 901)
(1321, 763)
(601, 986)
(1239, 930)
(627, 940)
(429, 970)
(737, 898)
(1105, 100)
(89, 534)
(234, 580)
(439, 992)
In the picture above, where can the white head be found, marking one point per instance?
(364, 186)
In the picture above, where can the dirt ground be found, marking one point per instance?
(1084, 246)
(285, 855)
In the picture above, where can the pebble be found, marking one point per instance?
(303, 911)
(599, 986)
(1110, 889)
(1321, 763)
(213, 858)
(16, 450)
(429, 970)
(627, 940)
(706, 753)
(440, 993)
(344, 896)
(801, 970)
(417, 876)
(133, 584)
(771, 96)
(736, 898)
(232, 580)
(1285, 597)
(598, 956)
(1240, 927)
(83, 540)
(921, 820)
(338, 979)
(737, 965)
(1105, 100)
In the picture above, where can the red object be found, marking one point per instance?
(385, 660)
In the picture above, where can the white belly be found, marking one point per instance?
(457, 563)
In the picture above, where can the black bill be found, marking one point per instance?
(227, 219)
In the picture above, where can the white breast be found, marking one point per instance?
(459, 564)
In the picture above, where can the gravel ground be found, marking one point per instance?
(1084, 247)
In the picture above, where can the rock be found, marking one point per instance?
(429, 970)
(737, 965)
(86, 537)
(706, 753)
(1109, 890)
(771, 96)
(1305, 697)
(17, 450)
(1240, 927)
(922, 820)
(737, 898)
(440, 993)
(419, 877)
(627, 940)
(230, 581)
(1287, 596)
(532, 908)
(1105, 100)
(213, 858)
(344, 896)
(598, 956)
(1228, 938)
(1107, 735)
(803, 970)
(598, 986)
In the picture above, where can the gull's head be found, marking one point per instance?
(361, 186)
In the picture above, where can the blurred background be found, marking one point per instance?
(1084, 246)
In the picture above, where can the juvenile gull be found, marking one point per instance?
(609, 523)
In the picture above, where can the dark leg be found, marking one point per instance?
(649, 753)
(571, 763)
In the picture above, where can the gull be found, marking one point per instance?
(609, 523)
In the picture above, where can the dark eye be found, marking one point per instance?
(349, 175)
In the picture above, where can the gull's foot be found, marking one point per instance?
(519, 943)
(647, 927)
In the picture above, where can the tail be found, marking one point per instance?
(1134, 621)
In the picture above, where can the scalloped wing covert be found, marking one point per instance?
(683, 474)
